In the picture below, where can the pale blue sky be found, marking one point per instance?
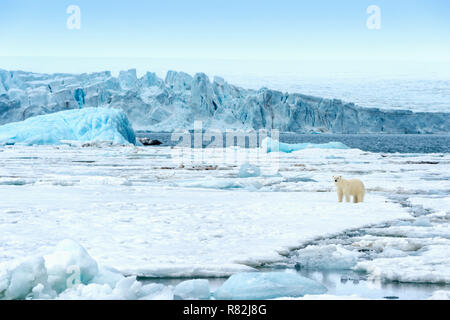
(414, 30)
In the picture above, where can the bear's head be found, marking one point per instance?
(337, 179)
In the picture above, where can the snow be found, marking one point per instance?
(84, 125)
(196, 289)
(147, 212)
(267, 285)
(429, 265)
(326, 257)
(167, 105)
(137, 230)
(440, 295)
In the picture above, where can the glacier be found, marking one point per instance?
(166, 105)
(80, 125)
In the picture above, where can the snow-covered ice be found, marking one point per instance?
(326, 257)
(148, 212)
(428, 265)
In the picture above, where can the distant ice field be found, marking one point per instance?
(412, 85)
(427, 95)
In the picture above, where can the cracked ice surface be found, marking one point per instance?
(150, 212)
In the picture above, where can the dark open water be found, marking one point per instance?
(388, 143)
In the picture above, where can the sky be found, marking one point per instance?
(209, 30)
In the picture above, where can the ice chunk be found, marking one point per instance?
(248, 170)
(276, 146)
(85, 125)
(108, 276)
(68, 265)
(70, 273)
(128, 288)
(221, 183)
(326, 257)
(128, 79)
(156, 291)
(267, 285)
(196, 289)
(422, 222)
(19, 282)
(93, 291)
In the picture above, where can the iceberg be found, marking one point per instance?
(276, 146)
(20, 281)
(267, 285)
(68, 264)
(196, 289)
(248, 170)
(82, 125)
(174, 103)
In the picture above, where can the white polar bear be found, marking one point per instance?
(349, 188)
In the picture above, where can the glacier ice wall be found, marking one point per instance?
(175, 102)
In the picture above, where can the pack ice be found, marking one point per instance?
(69, 272)
(155, 104)
(83, 125)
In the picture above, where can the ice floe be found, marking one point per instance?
(325, 257)
(267, 285)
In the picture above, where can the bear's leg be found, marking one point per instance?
(355, 199)
(347, 198)
(361, 197)
(340, 195)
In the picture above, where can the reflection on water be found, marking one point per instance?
(347, 282)
(342, 283)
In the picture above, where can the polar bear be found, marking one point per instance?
(347, 188)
